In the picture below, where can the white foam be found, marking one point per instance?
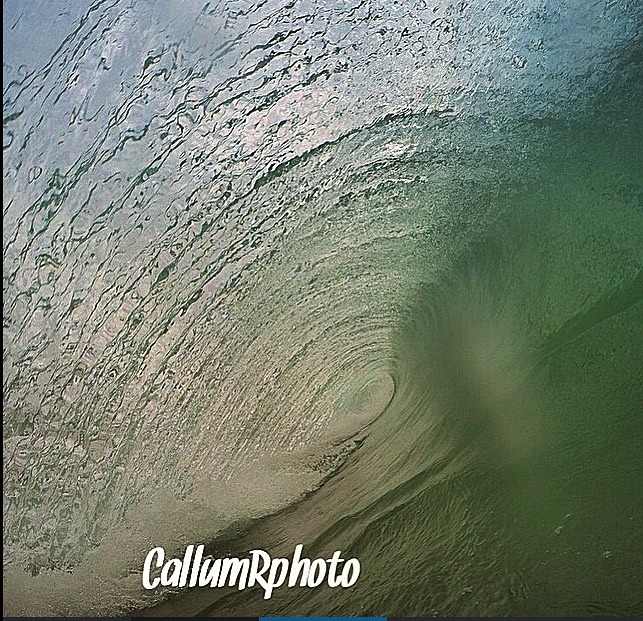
(107, 580)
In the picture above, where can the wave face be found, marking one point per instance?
(358, 275)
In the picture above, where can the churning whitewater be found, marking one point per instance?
(357, 276)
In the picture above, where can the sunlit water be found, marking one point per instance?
(359, 275)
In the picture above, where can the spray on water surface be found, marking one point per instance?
(358, 275)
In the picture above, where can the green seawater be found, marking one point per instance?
(517, 413)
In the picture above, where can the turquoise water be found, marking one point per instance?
(365, 277)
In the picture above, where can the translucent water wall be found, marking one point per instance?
(387, 251)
